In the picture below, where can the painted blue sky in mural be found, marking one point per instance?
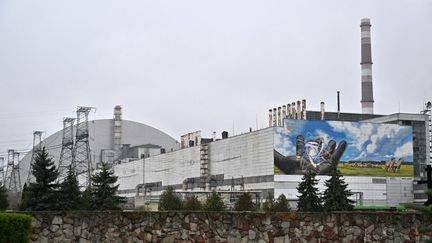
(366, 141)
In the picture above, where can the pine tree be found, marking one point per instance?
(24, 197)
(42, 194)
(269, 204)
(4, 203)
(244, 203)
(86, 199)
(309, 199)
(192, 204)
(169, 200)
(214, 203)
(336, 196)
(103, 194)
(70, 193)
(281, 204)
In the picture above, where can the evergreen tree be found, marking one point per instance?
(103, 194)
(281, 204)
(244, 203)
(192, 204)
(86, 199)
(309, 199)
(70, 193)
(42, 194)
(4, 203)
(269, 204)
(214, 203)
(336, 196)
(169, 200)
(24, 197)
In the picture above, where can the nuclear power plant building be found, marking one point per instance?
(381, 158)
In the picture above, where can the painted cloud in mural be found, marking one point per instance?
(365, 141)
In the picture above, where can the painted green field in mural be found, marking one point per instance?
(346, 170)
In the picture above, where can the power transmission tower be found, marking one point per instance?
(37, 147)
(81, 159)
(13, 180)
(2, 171)
(66, 154)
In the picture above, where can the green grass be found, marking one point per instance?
(380, 207)
(405, 171)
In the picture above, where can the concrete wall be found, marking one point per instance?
(226, 227)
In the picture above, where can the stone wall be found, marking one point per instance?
(226, 227)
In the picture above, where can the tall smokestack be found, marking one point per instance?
(367, 100)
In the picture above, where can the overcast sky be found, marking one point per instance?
(182, 66)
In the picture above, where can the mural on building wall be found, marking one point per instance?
(356, 148)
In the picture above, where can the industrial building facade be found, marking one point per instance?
(248, 162)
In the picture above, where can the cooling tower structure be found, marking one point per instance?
(367, 100)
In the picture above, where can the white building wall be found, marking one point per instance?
(169, 168)
(129, 176)
(249, 155)
(246, 155)
(172, 168)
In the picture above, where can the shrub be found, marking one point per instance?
(427, 212)
(192, 204)
(15, 227)
(244, 203)
(169, 200)
(4, 203)
(269, 204)
(214, 203)
(281, 204)
(143, 208)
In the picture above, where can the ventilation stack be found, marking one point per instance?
(367, 100)
(117, 143)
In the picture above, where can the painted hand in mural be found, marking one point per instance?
(311, 156)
